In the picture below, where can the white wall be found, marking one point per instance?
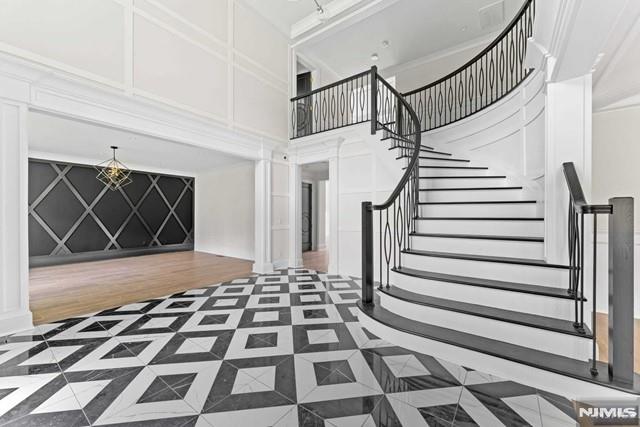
(280, 213)
(215, 58)
(616, 150)
(615, 173)
(420, 73)
(508, 136)
(322, 207)
(224, 211)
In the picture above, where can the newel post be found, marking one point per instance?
(367, 253)
(373, 110)
(621, 297)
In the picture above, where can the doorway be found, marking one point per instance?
(307, 217)
(314, 218)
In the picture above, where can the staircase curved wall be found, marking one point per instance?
(508, 136)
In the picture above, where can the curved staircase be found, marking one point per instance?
(457, 249)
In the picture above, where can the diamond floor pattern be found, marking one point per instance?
(283, 349)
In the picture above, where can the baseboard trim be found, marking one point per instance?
(15, 321)
(44, 261)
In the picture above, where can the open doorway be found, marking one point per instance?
(315, 216)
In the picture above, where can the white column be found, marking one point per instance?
(14, 238)
(295, 213)
(262, 252)
(334, 219)
(568, 139)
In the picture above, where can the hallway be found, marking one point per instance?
(316, 260)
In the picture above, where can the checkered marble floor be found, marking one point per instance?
(283, 349)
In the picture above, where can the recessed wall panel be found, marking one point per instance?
(259, 106)
(209, 15)
(256, 38)
(176, 69)
(86, 35)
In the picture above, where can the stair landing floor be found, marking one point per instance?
(284, 349)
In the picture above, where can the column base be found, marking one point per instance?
(262, 268)
(15, 321)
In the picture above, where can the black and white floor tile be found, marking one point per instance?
(284, 349)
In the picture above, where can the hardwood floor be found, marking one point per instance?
(316, 260)
(59, 292)
(602, 337)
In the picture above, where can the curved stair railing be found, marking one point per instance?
(485, 79)
(396, 215)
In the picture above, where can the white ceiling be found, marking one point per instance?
(81, 142)
(616, 82)
(414, 29)
(284, 13)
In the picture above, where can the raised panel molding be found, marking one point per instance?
(219, 44)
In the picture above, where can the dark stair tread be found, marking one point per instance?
(464, 177)
(516, 317)
(450, 167)
(479, 202)
(481, 237)
(526, 288)
(480, 218)
(423, 148)
(561, 365)
(471, 188)
(486, 258)
(444, 159)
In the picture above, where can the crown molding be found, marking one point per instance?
(66, 95)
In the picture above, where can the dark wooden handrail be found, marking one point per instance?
(414, 156)
(577, 194)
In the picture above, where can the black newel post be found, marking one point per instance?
(374, 100)
(621, 289)
(367, 253)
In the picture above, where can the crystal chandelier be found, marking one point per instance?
(113, 173)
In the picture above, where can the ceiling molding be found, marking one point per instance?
(630, 102)
(313, 20)
(43, 89)
(620, 42)
(351, 18)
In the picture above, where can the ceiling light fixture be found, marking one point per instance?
(374, 57)
(385, 43)
(113, 173)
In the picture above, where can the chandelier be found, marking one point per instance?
(113, 173)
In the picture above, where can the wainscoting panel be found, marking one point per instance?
(74, 217)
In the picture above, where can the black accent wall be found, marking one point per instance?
(74, 217)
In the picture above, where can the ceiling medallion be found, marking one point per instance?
(113, 173)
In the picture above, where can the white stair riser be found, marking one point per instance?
(500, 228)
(463, 182)
(489, 270)
(469, 195)
(503, 368)
(506, 248)
(444, 162)
(432, 154)
(540, 339)
(482, 210)
(451, 172)
(508, 300)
